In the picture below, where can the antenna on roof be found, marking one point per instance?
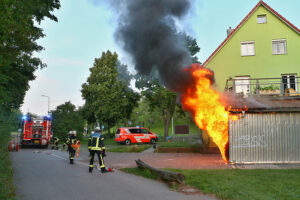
(229, 31)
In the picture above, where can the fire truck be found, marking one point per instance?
(36, 131)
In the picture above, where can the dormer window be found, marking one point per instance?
(261, 19)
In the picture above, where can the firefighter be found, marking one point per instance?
(54, 142)
(96, 146)
(71, 141)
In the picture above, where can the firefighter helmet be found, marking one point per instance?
(97, 129)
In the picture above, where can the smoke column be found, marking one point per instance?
(148, 33)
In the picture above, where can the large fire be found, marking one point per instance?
(205, 105)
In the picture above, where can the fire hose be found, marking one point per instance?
(76, 146)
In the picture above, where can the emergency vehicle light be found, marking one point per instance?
(24, 117)
(47, 117)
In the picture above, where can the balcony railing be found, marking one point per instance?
(288, 85)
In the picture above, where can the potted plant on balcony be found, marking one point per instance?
(269, 90)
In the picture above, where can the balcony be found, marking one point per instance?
(286, 86)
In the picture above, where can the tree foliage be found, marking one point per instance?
(191, 44)
(18, 41)
(108, 99)
(66, 118)
(158, 97)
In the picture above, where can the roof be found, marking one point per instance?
(260, 3)
(263, 104)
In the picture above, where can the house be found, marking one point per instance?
(264, 45)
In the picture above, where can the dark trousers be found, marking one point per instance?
(55, 145)
(100, 158)
(71, 154)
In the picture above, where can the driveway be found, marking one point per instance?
(47, 174)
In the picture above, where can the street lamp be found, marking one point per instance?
(48, 102)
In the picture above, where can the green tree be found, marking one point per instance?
(158, 97)
(108, 99)
(191, 44)
(18, 42)
(66, 118)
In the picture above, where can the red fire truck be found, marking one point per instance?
(36, 131)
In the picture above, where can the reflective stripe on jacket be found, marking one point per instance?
(96, 143)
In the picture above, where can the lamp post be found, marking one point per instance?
(48, 102)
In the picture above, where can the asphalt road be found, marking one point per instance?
(46, 174)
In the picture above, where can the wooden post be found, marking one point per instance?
(168, 176)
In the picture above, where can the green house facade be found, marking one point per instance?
(264, 45)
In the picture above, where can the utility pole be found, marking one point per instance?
(48, 102)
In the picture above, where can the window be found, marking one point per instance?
(135, 130)
(247, 48)
(289, 81)
(261, 19)
(279, 47)
(145, 131)
(242, 85)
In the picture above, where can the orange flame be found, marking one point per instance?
(204, 103)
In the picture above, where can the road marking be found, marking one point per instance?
(63, 158)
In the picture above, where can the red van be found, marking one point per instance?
(130, 135)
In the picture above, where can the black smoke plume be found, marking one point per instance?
(147, 31)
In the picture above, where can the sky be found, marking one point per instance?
(85, 29)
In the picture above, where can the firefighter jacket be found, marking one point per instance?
(71, 140)
(55, 139)
(96, 143)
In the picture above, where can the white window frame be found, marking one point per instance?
(242, 85)
(263, 16)
(289, 80)
(277, 42)
(248, 43)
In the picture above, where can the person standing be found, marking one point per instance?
(96, 146)
(54, 142)
(72, 142)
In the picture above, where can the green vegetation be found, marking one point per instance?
(67, 118)
(108, 98)
(129, 148)
(149, 118)
(240, 184)
(8, 123)
(246, 184)
(7, 190)
(158, 96)
(19, 32)
(178, 144)
(139, 172)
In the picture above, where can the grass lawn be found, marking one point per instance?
(112, 146)
(7, 190)
(178, 144)
(237, 184)
(160, 130)
(129, 148)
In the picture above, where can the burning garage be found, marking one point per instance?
(268, 130)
